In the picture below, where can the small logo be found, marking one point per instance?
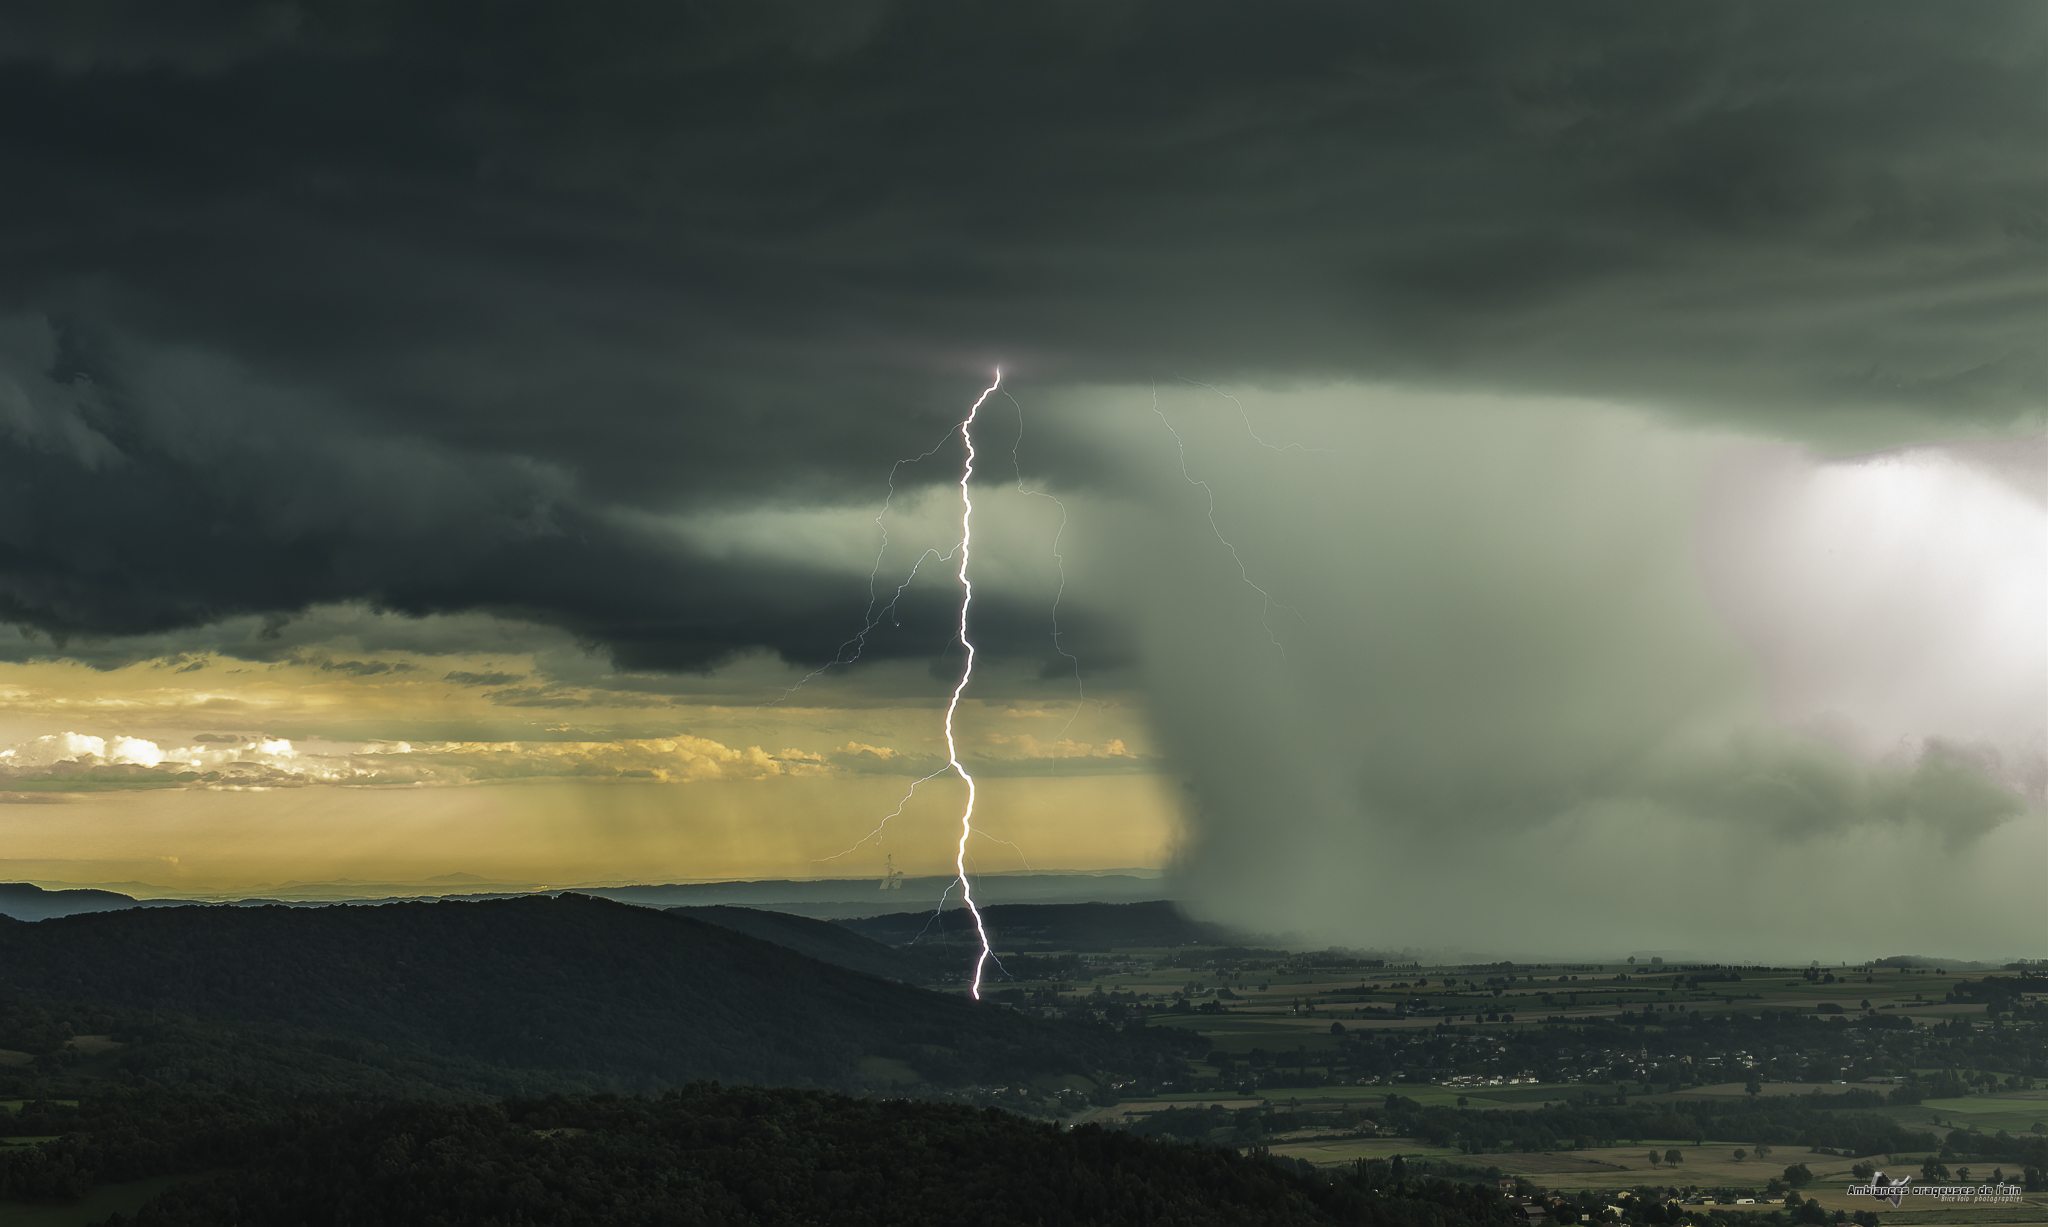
(1884, 1188)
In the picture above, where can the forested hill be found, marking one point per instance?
(529, 993)
(822, 940)
(1056, 926)
(705, 1154)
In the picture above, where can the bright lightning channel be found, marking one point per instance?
(963, 552)
(981, 960)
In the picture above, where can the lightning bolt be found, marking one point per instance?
(963, 552)
(873, 618)
(967, 675)
(884, 823)
(1246, 418)
(1270, 604)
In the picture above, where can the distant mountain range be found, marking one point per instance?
(843, 898)
(829, 898)
(25, 902)
(866, 943)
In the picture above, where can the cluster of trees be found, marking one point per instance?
(1780, 1122)
(109, 1135)
(2006, 996)
(1806, 1121)
(1664, 1051)
(1763, 1125)
(700, 1154)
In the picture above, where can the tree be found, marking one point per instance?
(1762, 1151)
(1672, 1156)
(1798, 1176)
(1753, 1087)
(1654, 1158)
(1740, 1154)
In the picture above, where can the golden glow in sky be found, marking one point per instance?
(211, 773)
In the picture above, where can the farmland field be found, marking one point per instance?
(105, 1200)
(1710, 1166)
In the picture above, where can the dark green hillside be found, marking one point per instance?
(821, 940)
(735, 1156)
(527, 993)
(1054, 926)
(178, 1052)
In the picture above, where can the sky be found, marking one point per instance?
(1533, 480)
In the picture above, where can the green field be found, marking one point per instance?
(2012, 1111)
(1262, 1019)
(14, 1105)
(1240, 1033)
(1363, 1095)
(1367, 1096)
(1429, 1094)
(1992, 1122)
(107, 1199)
(1350, 1150)
(1175, 1098)
(1542, 1092)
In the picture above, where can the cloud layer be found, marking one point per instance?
(1468, 625)
(383, 303)
(532, 377)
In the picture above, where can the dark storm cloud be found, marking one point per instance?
(364, 668)
(483, 679)
(402, 303)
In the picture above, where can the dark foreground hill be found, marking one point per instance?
(1053, 926)
(705, 1154)
(823, 941)
(513, 996)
